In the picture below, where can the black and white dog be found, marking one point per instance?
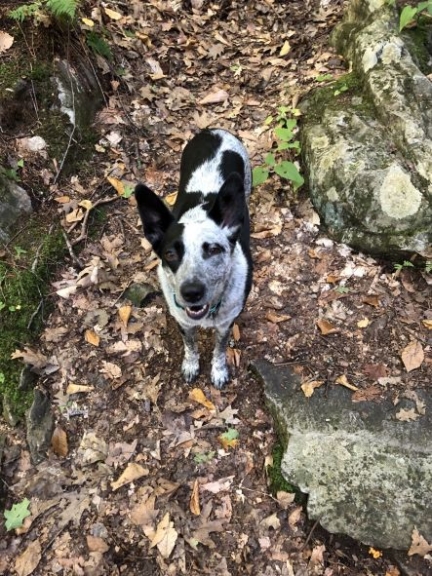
(205, 265)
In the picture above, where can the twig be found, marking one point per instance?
(310, 534)
(84, 224)
(73, 129)
(71, 252)
(35, 313)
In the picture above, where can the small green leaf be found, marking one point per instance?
(324, 77)
(203, 458)
(20, 163)
(289, 171)
(128, 191)
(15, 516)
(284, 134)
(407, 16)
(268, 120)
(230, 435)
(289, 145)
(259, 175)
(270, 159)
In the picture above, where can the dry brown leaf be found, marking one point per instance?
(326, 327)
(309, 387)
(171, 198)
(6, 41)
(117, 185)
(363, 323)
(96, 544)
(165, 537)
(215, 97)
(92, 338)
(73, 388)
(407, 415)
(427, 324)
(286, 48)
(124, 314)
(27, 562)
(372, 300)
(194, 503)
(285, 498)
(144, 514)
(271, 521)
(375, 371)
(221, 485)
(112, 14)
(412, 355)
(59, 442)
(419, 545)
(75, 215)
(28, 356)
(111, 370)
(369, 394)
(236, 332)
(375, 553)
(197, 395)
(343, 381)
(277, 318)
(132, 472)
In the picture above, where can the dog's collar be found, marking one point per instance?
(212, 311)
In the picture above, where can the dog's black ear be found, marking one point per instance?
(155, 216)
(228, 210)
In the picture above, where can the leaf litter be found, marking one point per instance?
(146, 475)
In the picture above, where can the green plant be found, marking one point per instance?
(428, 266)
(405, 264)
(98, 45)
(65, 9)
(410, 14)
(284, 131)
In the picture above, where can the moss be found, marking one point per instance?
(418, 39)
(276, 480)
(23, 302)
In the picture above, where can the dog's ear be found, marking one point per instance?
(228, 210)
(155, 216)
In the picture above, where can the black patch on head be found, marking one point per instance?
(173, 242)
(185, 202)
(155, 216)
(202, 147)
(229, 208)
(232, 162)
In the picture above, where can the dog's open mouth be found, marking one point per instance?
(197, 312)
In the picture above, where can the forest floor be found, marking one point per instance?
(145, 475)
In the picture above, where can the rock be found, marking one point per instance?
(140, 294)
(368, 152)
(14, 203)
(367, 474)
(40, 426)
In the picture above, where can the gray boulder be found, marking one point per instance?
(367, 474)
(14, 203)
(368, 151)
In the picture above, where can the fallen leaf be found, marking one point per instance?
(215, 97)
(194, 503)
(59, 442)
(165, 537)
(343, 381)
(171, 198)
(419, 545)
(286, 48)
(96, 544)
(229, 439)
(412, 355)
(197, 395)
(309, 387)
(236, 332)
(364, 323)
(27, 562)
(271, 521)
(375, 553)
(407, 415)
(369, 394)
(221, 485)
(117, 185)
(277, 318)
(372, 300)
(285, 498)
(326, 327)
(111, 370)
(112, 14)
(375, 371)
(91, 337)
(124, 314)
(73, 388)
(132, 472)
(6, 41)
(427, 324)
(86, 204)
(316, 559)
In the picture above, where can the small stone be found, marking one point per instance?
(40, 426)
(140, 294)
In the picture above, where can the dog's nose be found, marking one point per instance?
(192, 291)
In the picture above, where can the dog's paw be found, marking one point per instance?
(190, 369)
(219, 375)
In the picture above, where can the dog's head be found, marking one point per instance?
(195, 244)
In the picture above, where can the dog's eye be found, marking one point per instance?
(170, 255)
(212, 249)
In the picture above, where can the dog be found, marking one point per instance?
(205, 268)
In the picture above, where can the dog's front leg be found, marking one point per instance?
(190, 365)
(219, 367)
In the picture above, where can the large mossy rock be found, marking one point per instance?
(367, 474)
(368, 152)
